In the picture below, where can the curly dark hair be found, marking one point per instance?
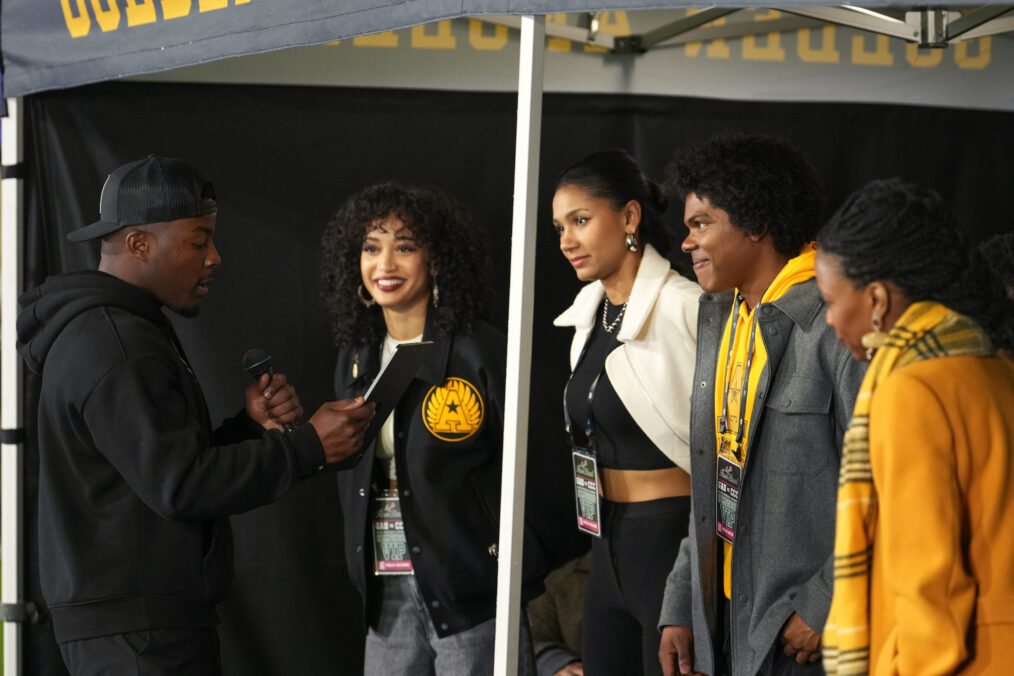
(614, 175)
(441, 225)
(896, 231)
(998, 252)
(762, 182)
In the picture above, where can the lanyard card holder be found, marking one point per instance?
(729, 469)
(587, 500)
(390, 547)
(728, 486)
(586, 492)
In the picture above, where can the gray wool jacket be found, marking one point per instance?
(782, 560)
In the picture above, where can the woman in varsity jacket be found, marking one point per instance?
(405, 264)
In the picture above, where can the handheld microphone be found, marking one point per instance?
(257, 362)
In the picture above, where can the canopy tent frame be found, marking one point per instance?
(1002, 24)
(521, 309)
(927, 27)
(16, 610)
(83, 43)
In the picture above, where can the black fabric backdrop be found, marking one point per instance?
(283, 158)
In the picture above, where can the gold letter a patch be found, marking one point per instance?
(453, 411)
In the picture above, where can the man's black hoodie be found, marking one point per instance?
(133, 488)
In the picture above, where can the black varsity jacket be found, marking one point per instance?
(448, 451)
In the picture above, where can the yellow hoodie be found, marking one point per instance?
(731, 444)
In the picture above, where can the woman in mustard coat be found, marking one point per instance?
(924, 550)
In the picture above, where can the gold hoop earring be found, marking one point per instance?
(368, 302)
(875, 339)
(631, 241)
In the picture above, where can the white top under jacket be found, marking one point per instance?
(652, 371)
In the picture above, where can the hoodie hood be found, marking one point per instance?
(47, 309)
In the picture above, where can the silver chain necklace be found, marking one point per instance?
(610, 327)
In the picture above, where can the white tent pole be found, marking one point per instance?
(10, 387)
(519, 344)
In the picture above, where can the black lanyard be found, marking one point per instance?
(590, 421)
(723, 422)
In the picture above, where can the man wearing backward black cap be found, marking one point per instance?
(134, 485)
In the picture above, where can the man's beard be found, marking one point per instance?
(189, 312)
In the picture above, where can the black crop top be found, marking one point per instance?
(619, 442)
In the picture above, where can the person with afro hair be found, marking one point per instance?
(404, 264)
(773, 391)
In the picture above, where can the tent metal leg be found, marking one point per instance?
(519, 343)
(11, 236)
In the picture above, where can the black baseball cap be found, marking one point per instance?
(153, 190)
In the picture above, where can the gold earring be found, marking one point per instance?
(875, 339)
(631, 241)
(368, 302)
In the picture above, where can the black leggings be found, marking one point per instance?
(630, 563)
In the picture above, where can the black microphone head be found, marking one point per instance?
(256, 362)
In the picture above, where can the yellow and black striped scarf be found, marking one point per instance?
(925, 330)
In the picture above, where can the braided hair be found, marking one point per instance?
(615, 176)
(762, 182)
(896, 231)
(444, 229)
